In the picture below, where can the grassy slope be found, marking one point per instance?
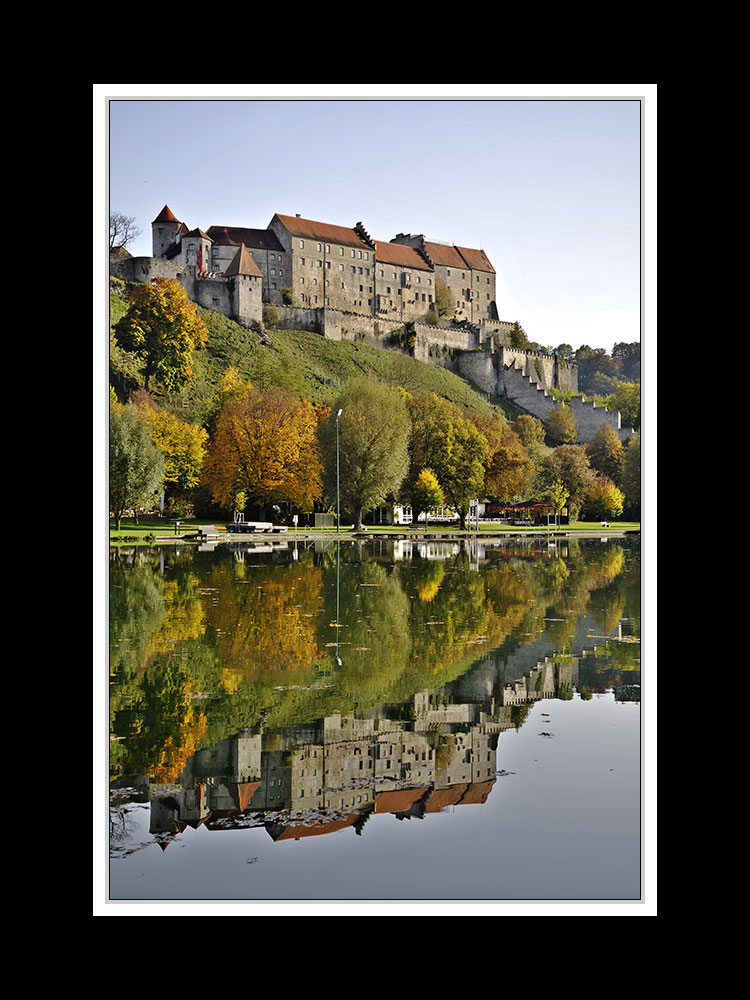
(307, 363)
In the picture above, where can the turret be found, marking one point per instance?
(164, 230)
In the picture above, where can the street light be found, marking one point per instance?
(338, 512)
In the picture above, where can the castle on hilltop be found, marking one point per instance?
(345, 285)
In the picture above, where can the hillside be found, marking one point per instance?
(306, 363)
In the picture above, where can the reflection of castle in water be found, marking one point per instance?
(411, 760)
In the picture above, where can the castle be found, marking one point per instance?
(344, 284)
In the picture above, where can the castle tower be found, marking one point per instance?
(248, 287)
(164, 231)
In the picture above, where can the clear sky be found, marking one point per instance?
(549, 186)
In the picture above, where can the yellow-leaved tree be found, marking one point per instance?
(163, 328)
(265, 447)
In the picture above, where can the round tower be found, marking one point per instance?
(164, 229)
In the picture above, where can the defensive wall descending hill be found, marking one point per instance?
(478, 352)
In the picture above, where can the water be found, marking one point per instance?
(382, 721)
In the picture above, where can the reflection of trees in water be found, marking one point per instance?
(199, 656)
(264, 618)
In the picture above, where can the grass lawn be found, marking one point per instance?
(147, 527)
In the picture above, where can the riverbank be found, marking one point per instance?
(160, 531)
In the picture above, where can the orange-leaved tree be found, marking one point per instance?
(264, 447)
(162, 326)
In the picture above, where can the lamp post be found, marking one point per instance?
(338, 511)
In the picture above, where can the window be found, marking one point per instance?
(319, 247)
(359, 254)
(341, 267)
(301, 281)
(341, 251)
(273, 271)
(328, 248)
(273, 256)
(302, 260)
(352, 253)
(302, 244)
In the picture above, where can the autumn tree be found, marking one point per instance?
(264, 447)
(568, 464)
(509, 469)
(604, 501)
(561, 424)
(606, 453)
(163, 328)
(443, 298)
(373, 438)
(136, 466)
(183, 446)
(427, 493)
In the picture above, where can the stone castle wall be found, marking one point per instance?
(477, 353)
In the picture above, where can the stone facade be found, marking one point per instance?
(341, 283)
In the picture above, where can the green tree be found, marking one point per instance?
(427, 494)
(450, 444)
(136, 466)
(373, 438)
(631, 473)
(627, 399)
(163, 328)
(518, 338)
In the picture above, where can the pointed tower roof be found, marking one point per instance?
(243, 263)
(166, 215)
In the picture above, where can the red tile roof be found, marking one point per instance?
(243, 263)
(400, 255)
(296, 831)
(476, 259)
(166, 215)
(322, 231)
(443, 255)
(399, 801)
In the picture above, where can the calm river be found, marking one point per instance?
(391, 720)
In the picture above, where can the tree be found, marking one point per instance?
(518, 338)
(450, 444)
(162, 326)
(443, 298)
(373, 438)
(509, 469)
(427, 493)
(627, 399)
(136, 466)
(122, 230)
(531, 432)
(265, 447)
(631, 473)
(569, 465)
(561, 424)
(604, 501)
(606, 453)
(183, 446)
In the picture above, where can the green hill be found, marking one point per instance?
(306, 363)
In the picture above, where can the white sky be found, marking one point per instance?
(548, 182)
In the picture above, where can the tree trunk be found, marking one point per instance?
(357, 518)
